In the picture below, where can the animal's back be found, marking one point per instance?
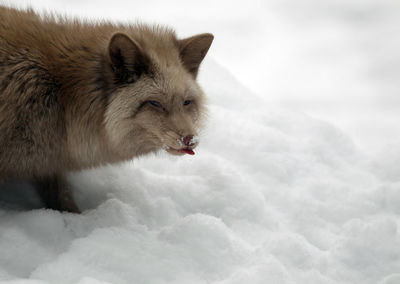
(30, 116)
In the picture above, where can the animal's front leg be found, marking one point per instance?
(55, 193)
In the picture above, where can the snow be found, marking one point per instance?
(272, 196)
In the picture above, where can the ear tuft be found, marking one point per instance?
(127, 60)
(193, 50)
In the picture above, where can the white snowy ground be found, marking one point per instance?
(271, 196)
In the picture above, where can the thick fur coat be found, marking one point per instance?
(75, 95)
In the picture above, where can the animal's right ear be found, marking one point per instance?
(127, 60)
(193, 50)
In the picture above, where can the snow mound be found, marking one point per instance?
(272, 196)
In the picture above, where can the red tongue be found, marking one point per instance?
(187, 151)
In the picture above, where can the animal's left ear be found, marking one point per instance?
(193, 50)
(127, 59)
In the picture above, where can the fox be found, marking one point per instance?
(77, 94)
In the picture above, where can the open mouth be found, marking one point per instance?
(187, 151)
(182, 145)
(180, 151)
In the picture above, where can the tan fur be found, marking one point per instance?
(75, 95)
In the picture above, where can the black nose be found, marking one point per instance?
(188, 140)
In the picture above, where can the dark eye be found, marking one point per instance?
(155, 103)
(186, 103)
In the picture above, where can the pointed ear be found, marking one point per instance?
(193, 50)
(127, 60)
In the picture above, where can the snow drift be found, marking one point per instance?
(272, 196)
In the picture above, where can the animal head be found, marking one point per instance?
(157, 102)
